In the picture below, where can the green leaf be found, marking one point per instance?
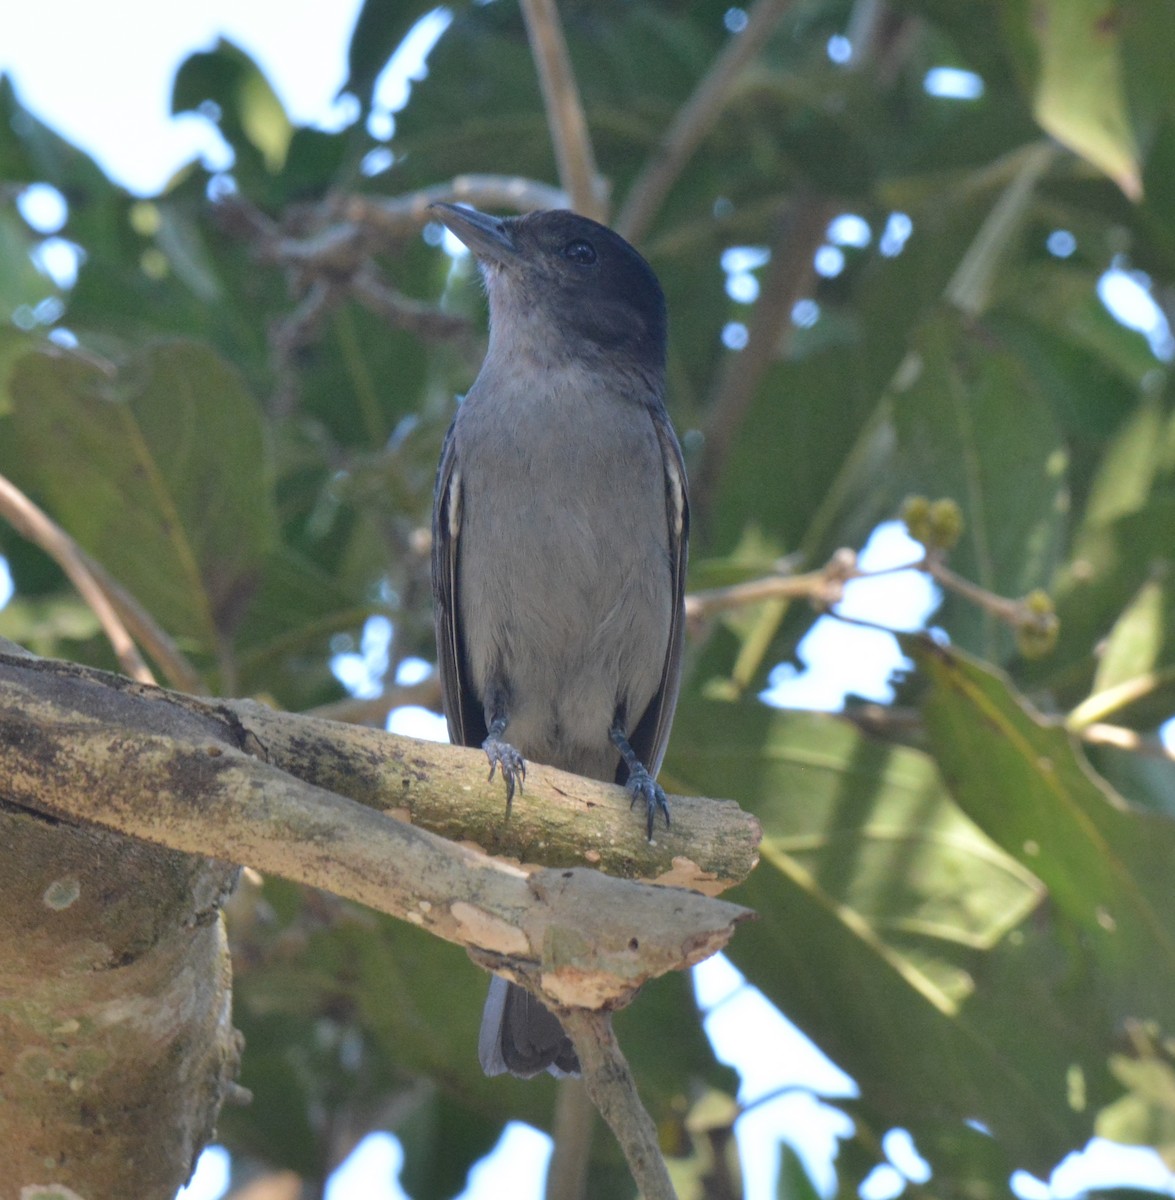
(1079, 94)
(882, 908)
(379, 30)
(966, 417)
(248, 111)
(159, 470)
(1146, 1114)
(1136, 671)
(1107, 866)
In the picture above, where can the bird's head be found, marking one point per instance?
(561, 285)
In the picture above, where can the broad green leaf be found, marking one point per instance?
(21, 285)
(1107, 866)
(379, 31)
(896, 934)
(966, 415)
(1145, 776)
(159, 470)
(249, 113)
(1136, 671)
(1079, 94)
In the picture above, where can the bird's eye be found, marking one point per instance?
(580, 252)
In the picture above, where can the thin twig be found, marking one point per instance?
(1093, 709)
(694, 120)
(39, 528)
(402, 312)
(610, 1084)
(824, 588)
(565, 117)
(1100, 734)
(800, 231)
(400, 216)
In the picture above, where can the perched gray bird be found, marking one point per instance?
(560, 525)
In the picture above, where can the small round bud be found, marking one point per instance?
(1037, 627)
(946, 524)
(915, 513)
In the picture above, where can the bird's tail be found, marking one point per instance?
(519, 1035)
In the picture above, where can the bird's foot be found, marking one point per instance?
(642, 786)
(513, 765)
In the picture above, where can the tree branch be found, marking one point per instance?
(559, 819)
(565, 117)
(694, 120)
(822, 588)
(118, 612)
(610, 1084)
(399, 216)
(83, 746)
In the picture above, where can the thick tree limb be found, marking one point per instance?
(193, 785)
(116, 1045)
(559, 820)
(86, 746)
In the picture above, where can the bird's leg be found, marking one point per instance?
(641, 785)
(502, 754)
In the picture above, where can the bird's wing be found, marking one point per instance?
(651, 734)
(462, 710)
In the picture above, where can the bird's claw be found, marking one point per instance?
(502, 754)
(642, 786)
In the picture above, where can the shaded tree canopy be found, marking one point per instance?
(217, 446)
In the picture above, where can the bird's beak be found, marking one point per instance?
(488, 237)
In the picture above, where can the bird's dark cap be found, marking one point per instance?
(589, 290)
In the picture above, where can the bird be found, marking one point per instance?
(560, 538)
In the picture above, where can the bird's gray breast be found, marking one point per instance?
(564, 574)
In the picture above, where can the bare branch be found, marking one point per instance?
(191, 776)
(559, 819)
(695, 119)
(115, 608)
(822, 588)
(610, 1084)
(399, 216)
(402, 312)
(565, 118)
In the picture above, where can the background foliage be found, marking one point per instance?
(237, 409)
